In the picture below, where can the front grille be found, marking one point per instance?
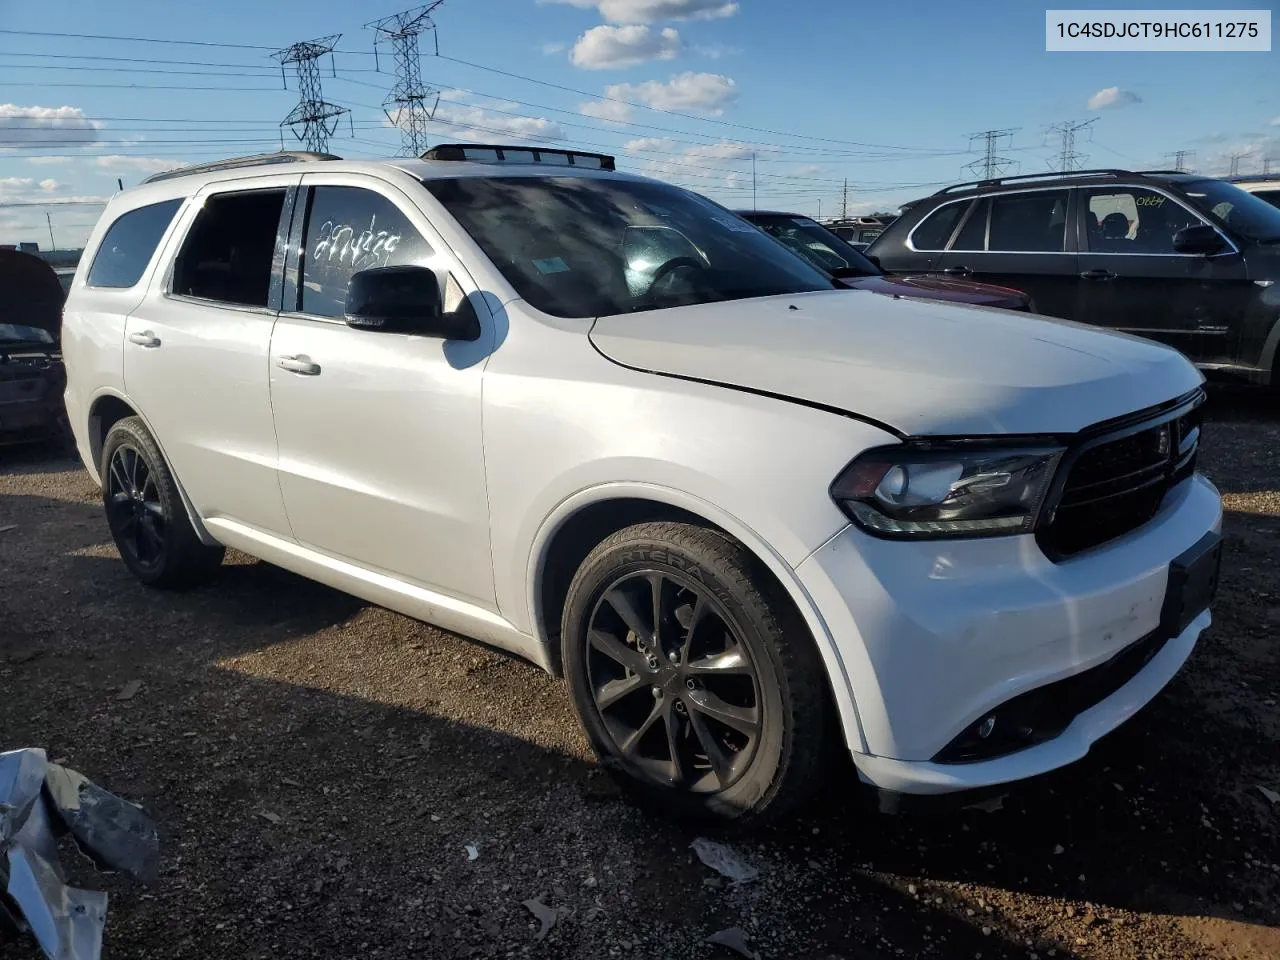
(1115, 482)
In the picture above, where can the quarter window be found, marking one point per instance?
(1133, 220)
(226, 256)
(129, 243)
(1029, 222)
(934, 232)
(350, 229)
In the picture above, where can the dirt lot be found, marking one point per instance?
(318, 767)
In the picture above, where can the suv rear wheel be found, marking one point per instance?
(148, 521)
(698, 684)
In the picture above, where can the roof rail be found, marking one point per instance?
(1063, 174)
(497, 153)
(258, 160)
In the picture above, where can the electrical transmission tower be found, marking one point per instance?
(1181, 159)
(1266, 165)
(989, 163)
(1068, 157)
(407, 104)
(313, 120)
(1235, 161)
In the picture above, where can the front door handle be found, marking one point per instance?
(1097, 275)
(958, 272)
(145, 339)
(300, 364)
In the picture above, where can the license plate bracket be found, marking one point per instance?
(1192, 584)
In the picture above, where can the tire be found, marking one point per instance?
(721, 612)
(148, 521)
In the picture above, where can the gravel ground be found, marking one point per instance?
(319, 767)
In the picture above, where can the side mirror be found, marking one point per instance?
(1200, 239)
(405, 300)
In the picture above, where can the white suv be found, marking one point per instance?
(603, 423)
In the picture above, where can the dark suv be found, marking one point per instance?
(1190, 261)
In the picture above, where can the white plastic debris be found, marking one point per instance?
(545, 916)
(1271, 795)
(724, 860)
(735, 939)
(473, 852)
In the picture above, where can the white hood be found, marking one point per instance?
(924, 368)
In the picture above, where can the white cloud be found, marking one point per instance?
(465, 122)
(1275, 121)
(703, 92)
(48, 186)
(806, 170)
(605, 47)
(714, 51)
(47, 161)
(551, 49)
(653, 11)
(37, 128)
(722, 151)
(609, 110)
(117, 162)
(1109, 97)
(649, 145)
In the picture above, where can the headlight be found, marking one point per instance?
(906, 493)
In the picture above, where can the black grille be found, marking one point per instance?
(1115, 483)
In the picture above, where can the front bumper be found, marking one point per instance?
(934, 635)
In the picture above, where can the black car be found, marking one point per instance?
(32, 378)
(1190, 261)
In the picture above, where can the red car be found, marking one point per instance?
(842, 262)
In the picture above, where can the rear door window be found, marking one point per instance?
(227, 255)
(129, 243)
(1033, 222)
(973, 235)
(935, 230)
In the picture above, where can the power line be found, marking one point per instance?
(990, 163)
(316, 117)
(406, 105)
(1068, 157)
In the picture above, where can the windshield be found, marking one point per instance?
(816, 244)
(20, 333)
(1250, 216)
(588, 247)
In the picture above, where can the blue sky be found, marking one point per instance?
(885, 95)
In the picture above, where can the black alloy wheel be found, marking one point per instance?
(134, 510)
(146, 514)
(674, 685)
(698, 684)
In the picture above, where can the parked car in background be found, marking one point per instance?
(1267, 187)
(65, 276)
(604, 423)
(859, 232)
(825, 250)
(32, 378)
(1189, 261)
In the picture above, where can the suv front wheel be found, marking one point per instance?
(148, 521)
(697, 683)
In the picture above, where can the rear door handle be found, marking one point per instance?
(145, 339)
(1097, 275)
(958, 271)
(300, 364)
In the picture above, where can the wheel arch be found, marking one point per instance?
(583, 520)
(108, 409)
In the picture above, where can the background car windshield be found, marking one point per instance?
(587, 247)
(817, 244)
(1251, 217)
(20, 333)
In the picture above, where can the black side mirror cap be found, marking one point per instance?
(405, 299)
(1200, 239)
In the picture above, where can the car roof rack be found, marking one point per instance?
(258, 160)
(1059, 175)
(497, 153)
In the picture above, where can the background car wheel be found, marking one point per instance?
(148, 522)
(698, 685)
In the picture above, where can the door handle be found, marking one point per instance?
(300, 364)
(1097, 275)
(145, 339)
(958, 272)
